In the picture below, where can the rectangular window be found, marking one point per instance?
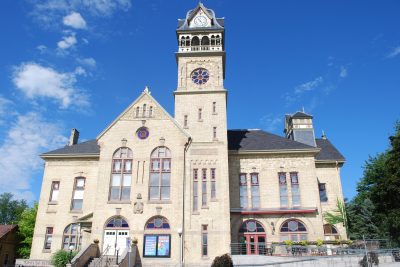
(283, 189)
(204, 188)
(215, 132)
(144, 110)
(323, 196)
(48, 237)
(55, 188)
(185, 121)
(255, 191)
(195, 190)
(157, 246)
(121, 179)
(77, 196)
(213, 184)
(200, 114)
(204, 241)
(243, 191)
(294, 179)
(214, 107)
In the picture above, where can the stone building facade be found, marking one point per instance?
(187, 188)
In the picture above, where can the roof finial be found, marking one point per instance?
(303, 109)
(146, 90)
(323, 135)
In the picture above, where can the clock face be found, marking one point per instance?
(200, 21)
(200, 76)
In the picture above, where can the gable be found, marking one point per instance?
(200, 16)
(144, 108)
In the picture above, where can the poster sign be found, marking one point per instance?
(150, 244)
(157, 246)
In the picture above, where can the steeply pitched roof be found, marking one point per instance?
(301, 115)
(218, 23)
(6, 228)
(247, 140)
(328, 151)
(87, 148)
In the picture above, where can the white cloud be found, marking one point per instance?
(67, 42)
(4, 106)
(80, 71)
(271, 122)
(308, 86)
(343, 72)
(36, 81)
(74, 20)
(90, 62)
(41, 48)
(395, 52)
(27, 137)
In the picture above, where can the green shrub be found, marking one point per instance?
(222, 261)
(319, 242)
(288, 242)
(62, 257)
(304, 243)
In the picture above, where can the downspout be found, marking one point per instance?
(182, 260)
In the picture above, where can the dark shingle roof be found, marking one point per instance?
(328, 151)
(301, 115)
(260, 140)
(6, 228)
(88, 147)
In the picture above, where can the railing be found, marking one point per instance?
(90, 251)
(197, 48)
(250, 249)
(103, 255)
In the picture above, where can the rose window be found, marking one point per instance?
(200, 76)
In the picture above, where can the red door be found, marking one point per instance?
(255, 244)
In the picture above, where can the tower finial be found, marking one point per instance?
(146, 89)
(323, 135)
(303, 109)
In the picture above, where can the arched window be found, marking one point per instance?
(151, 111)
(144, 110)
(157, 240)
(121, 176)
(117, 222)
(187, 41)
(157, 222)
(251, 226)
(205, 40)
(212, 39)
(293, 230)
(218, 40)
(195, 41)
(137, 112)
(160, 174)
(331, 231)
(183, 39)
(72, 236)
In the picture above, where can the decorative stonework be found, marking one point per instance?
(138, 206)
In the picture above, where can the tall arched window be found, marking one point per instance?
(212, 39)
(121, 177)
(187, 41)
(157, 238)
(218, 40)
(205, 40)
(294, 230)
(160, 174)
(183, 39)
(195, 41)
(71, 236)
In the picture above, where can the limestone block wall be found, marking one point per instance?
(58, 214)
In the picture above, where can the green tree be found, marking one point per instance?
(361, 219)
(25, 231)
(11, 209)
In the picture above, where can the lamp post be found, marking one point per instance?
(70, 253)
(180, 246)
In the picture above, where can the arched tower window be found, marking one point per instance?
(294, 230)
(218, 40)
(212, 39)
(187, 41)
(195, 41)
(144, 110)
(121, 176)
(160, 174)
(72, 236)
(183, 40)
(205, 40)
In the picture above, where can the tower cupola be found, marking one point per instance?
(299, 127)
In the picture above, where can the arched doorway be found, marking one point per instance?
(157, 238)
(116, 231)
(252, 237)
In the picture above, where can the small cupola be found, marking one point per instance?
(299, 127)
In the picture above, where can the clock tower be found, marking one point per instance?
(200, 107)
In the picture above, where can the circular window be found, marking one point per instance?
(293, 226)
(251, 226)
(200, 76)
(142, 133)
(158, 222)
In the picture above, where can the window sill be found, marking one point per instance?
(159, 202)
(200, 120)
(215, 139)
(46, 250)
(185, 127)
(205, 257)
(195, 213)
(75, 211)
(52, 203)
(205, 207)
(214, 200)
(119, 202)
(324, 202)
(215, 113)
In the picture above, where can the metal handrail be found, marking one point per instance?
(104, 253)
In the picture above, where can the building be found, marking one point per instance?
(8, 244)
(186, 186)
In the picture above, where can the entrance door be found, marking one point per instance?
(255, 244)
(115, 240)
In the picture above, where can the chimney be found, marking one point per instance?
(73, 139)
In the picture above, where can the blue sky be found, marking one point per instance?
(79, 63)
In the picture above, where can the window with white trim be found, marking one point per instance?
(294, 179)
(195, 190)
(48, 238)
(160, 174)
(283, 193)
(213, 184)
(55, 189)
(204, 187)
(243, 191)
(121, 175)
(255, 191)
(77, 196)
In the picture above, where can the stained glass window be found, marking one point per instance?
(293, 230)
(200, 76)
(251, 226)
(157, 223)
